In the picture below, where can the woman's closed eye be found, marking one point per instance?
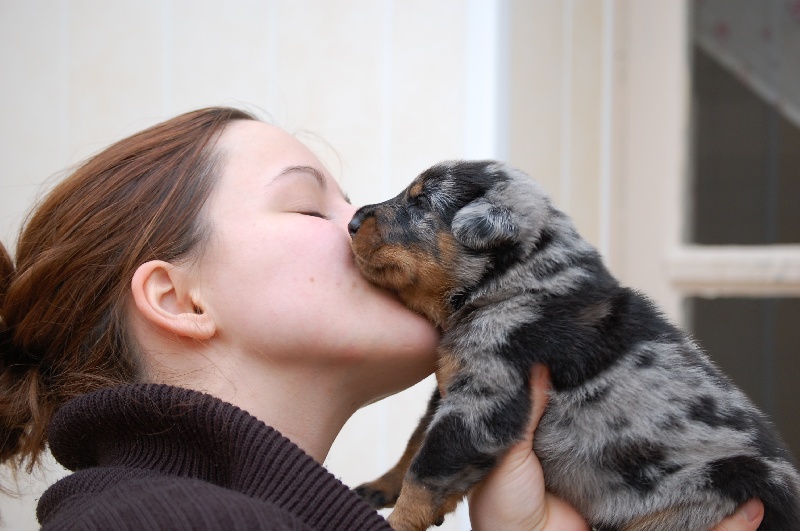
(313, 213)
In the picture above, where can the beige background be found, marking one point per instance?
(590, 96)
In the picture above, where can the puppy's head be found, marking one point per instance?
(443, 234)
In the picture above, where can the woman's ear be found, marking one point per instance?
(161, 295)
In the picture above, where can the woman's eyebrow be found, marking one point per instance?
(308, 170)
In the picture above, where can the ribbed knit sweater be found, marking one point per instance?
(160, 457)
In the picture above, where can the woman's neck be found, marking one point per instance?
(306, 404)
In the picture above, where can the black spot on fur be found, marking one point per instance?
(671, 422)
(641, 465)
(501, 259)
(509, 419)
(740, 478)
(706, 410)
(744, 477)
(597, 395)
(574, 353)
(545, 240)
(645, 359)
(619, 423)
(466, 384)
(768, 442)
(457, 300)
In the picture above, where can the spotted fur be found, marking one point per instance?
(642, 430)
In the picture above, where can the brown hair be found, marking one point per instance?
(62, 309)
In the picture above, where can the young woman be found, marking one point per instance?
(183, 325)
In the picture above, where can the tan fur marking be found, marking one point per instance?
(395, 266)
(448, 368)
(427, 290)
(415, 190)
(448, 249)
(434, 280)
(665, 519)
(415, 509)
(449, 505)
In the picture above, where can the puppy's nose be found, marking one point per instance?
(355, 223)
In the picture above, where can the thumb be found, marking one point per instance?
(747, 518)
(540, 394)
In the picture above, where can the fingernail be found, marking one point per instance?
(750, 511)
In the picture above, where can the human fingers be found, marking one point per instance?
(747, 518)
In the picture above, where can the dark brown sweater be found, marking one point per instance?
(161, 457)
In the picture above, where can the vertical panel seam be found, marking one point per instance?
(64, 82)
(606, 130)
(167, 55)
(567, 14)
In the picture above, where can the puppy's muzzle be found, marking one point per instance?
(366, 236)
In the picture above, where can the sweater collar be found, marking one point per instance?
(186, 433)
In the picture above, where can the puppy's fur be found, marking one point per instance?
(642, 431)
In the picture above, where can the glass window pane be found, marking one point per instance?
(757, 343)
(745, 182)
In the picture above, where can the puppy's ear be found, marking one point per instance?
(481, 225)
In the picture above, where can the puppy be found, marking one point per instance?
(642, 431)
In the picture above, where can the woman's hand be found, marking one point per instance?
(513, 497)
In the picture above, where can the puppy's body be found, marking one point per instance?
(642, 431)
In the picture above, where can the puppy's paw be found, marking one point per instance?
(378, 494)
(416, 509)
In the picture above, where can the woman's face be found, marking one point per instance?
(278, 273)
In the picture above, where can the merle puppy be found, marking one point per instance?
(641, 432)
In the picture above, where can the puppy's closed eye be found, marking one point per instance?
(419, 203)
(482, 225)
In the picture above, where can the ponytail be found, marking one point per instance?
(21, 439)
